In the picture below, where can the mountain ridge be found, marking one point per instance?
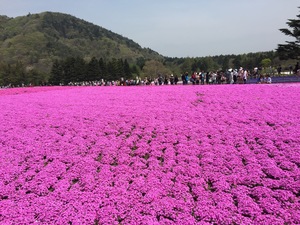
(39, 39)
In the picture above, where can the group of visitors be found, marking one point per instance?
(219, 77)
(230, 76)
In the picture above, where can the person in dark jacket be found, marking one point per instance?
(176, 79)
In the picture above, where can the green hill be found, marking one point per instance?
(39, 39)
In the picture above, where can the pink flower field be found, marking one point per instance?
(223, 154)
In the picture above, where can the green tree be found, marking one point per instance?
(80, 70)
(237, 61)
(186, 66)
(69, 70)
(34, 77)
(266, 62)
(5, 71)
(93, 70)
(291, 50)
(127, 70)
(22, 77)
(208, 64)
(120, 69)
(103, 69)
(13, 76)
(195, 65)
(153, 69)
(112, 69)
(141, 62)
(225, 62)
(135, 71)
(56, 74)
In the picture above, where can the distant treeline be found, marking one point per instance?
(72, 69)
(15, 75)
(77, 69)
(223, 62)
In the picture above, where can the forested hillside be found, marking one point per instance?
(38, 39)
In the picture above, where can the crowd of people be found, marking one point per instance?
(230, 76)
(236, 76)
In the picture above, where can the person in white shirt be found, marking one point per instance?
(269, 79)
(245, 76)
(235, 76)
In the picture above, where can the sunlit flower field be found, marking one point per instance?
(224, 154)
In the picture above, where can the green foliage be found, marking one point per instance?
(56, 73)
(39, 39)
(78, 70)
(93, 70)
(222, 62)
(186, 66)
(154, 69)
(266, 62)
(141, 62)
(291, 50)
(15, 75)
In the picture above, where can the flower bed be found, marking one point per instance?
(150, 155)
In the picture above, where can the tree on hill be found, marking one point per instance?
(291, 50)
(127, 71)
(154, 69)
(93, 70)
(56, 73)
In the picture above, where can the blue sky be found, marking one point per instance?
(179, 28)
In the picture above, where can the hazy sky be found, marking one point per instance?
(179, 28)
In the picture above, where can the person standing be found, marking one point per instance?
(235, 75)
(240, 75)
(231, 76)
(202, 77)
(172, 79)
(290, 69)
(207, 78)
(296, 68)
(245, 76)
(269, 79)
(166, 81)
(183, 79)
(176, 79)
(279, 68)
(193, 78)
(186, 78)
(160, 80)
